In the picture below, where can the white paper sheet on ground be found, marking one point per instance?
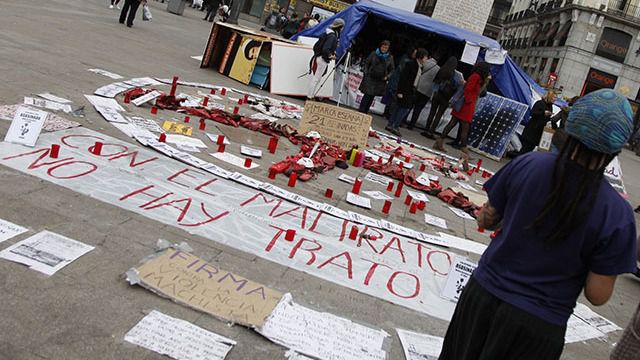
(461, 213)
(478, 182)
(163, 148)
(332, 210)
(45, 252)
(435, 221)
(592, 318)
(51, 105)
(187, 147)
(142, 81)
(425, 179)
(191, 160)
(418, 346)
(579, 330)
(405, 165)
(375, 155)
(145, 137)
(418, 196)
(431, 239)
(470, 53)
(233, 160)
(147, 124)
(197, 57)
(216, 170)
(467, 186)
(106, 73)
(322, 335)
(358, 200)
(276, 190)
(187, 140)
(378, 179)
(127, 129)
(363, 219)
(54, 98)
(177, 338)
(146, 98)
(9, 230)
(459, 275)
(346, 178)
(306, 202)
(26, 126)
(112, 90)
(111, 114)
(377, 195)
(99, 101)
(249, 151)
(464, 244)
(246, 180)
(214, 137)
(398, 229)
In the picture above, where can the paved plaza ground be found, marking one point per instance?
(83, 311)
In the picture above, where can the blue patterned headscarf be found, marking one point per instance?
(601, 120)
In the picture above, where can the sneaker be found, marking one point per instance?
(110, 6)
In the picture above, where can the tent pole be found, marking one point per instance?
(345, 71)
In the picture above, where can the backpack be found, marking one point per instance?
(447, 88)
(317, 47)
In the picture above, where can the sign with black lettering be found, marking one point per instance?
(613, 44)
(337, 125)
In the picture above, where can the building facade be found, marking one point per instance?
(577, 46)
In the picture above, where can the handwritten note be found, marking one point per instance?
(418, 196)
(233, 160)
(346, 178)
(112, 90)
(358, 200)
(378, 179)
(51, 105)
(146, 97)
(146, 124)
(461, 213)
(418, 346)
(249, 151)
(363, 219)
(111, 114)
(45, 252)
(177, 338)
(99, 101)
(337, 125)
(592, 318)
(177, 128)
(9, 230)
(377, 195)
(322, 335)
(463, 244)
(435, 221)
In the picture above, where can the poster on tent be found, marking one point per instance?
(351, 96)
(494, 122)
(245, 59)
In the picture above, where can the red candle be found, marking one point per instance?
(213, 91)
(356, 186)
(328, 193)
(174, 86)
(422, 167)
(236, 110)
(205, 101)
(390, 186)
(407, 200)
(163, 137)
(272, 174)
(273, 144)
(399, 189)
(97, 148)
(413, 208)
(386, 207)
(421, 205)
(220, 140)
(221, 148)
(154, 110)
(187, 119)
(292, 179)
(290, 234)
(55, 150)
(480, 230)
(202, 125)
(353, 234)
(223, 92)
(247, 163)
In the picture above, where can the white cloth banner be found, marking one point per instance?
(379, 263)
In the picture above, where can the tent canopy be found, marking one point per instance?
(355, 17)
(508, 79)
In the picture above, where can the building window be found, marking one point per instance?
(563, 33)
(554, 65)
(425, 7)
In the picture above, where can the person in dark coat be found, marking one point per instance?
(463, 117)
(129, 10)
(377, 68)
(212, 7)
(392, 85)
(406, 91)
(291, 27)
(540, 116)
(445, 84)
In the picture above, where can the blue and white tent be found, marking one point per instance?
(508, 79)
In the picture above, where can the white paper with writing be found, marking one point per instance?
(233, 160)
(337, 212)
(467, 186)
(459, 274)
(418, 196)
(147, 124)
(418, 346)
(346, 178)
(322, 335)
(245, 150)
(9, 230)
(111, 115)
(178, 339)
(246, 180)
(45, 252)
(99, 101)
(579, 330)
(435, 221)
(51, 105)
(377, 195)
(363, 219)
(106, 73)
(26, 126)
(464, 244)
(358, 200)
(146, 98)
(54, 98)
(378, 179)
(185, 140)
(460, 213)
(592, 318)
(112, 90)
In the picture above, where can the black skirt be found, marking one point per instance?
(484, 327)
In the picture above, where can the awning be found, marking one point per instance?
(564, 30)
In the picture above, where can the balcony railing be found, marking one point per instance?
(624, 9)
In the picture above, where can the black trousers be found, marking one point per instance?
(421, 101)
(484, 327)
(131, 7)
(438, 107)
(365, 103)
(463, 130)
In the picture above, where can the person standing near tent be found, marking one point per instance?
(540, 115)
(463, 109)
(315, 20)
(129, 10)
(291, 27)
(445, 84)
(377, 68)
(424, 90)
(324, 50)
(561, 229)
(406, 91)
(392, 86)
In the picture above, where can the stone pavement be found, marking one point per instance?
(84, 310)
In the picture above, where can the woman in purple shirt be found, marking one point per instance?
(561, 229)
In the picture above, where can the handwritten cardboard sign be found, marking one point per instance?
(337, 125)
(192, 281)
(177, 128)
